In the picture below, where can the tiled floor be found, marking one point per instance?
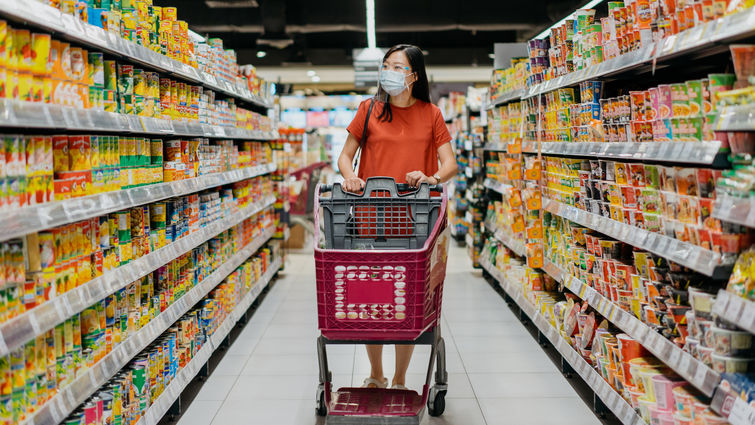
(497, 372)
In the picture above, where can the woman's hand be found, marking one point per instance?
(415, 178)
(353, 185)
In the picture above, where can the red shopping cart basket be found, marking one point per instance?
(381, 267)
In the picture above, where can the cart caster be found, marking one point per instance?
(321, 408)
(436, 402)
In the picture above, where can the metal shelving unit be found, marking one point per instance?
(602, 389)
(67, 399)
(707, 36)
(21, 221)
(30, 324)
(702, 260)
(695, 153)
(69, 27)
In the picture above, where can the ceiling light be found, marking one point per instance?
(261, 53)
(371, 40)
(588, 5)
(491, 55)
(315, 79)
(230, 4)
(311, 73)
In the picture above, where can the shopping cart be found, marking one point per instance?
(380, 271)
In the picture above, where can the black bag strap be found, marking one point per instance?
(364, 134)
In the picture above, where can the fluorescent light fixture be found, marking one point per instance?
(233, 4)
(371, 40)
(315, 79)
(588, 5)
(261, 53)
(311, 73)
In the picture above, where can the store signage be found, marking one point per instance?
(366, 65)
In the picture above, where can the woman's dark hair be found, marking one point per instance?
(420, 88)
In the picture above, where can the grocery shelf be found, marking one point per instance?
(182, 379)
(735, 209)
(506, 98)
(694, 371)
(698, 153)
(21, 221)
(25, 327)
(507, 239)
(736, 310)
(69, 398)
(736, 118)
(730, 405)
(43, 116)
(61, 24)
(702, 260)
(623, 411)
(701, 37)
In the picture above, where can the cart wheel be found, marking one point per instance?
(321, 408)
(436, 402)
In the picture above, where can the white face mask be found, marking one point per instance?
(393, 82)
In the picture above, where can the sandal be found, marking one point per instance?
(375, 382)
(398, 387)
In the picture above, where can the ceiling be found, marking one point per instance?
(323, 33)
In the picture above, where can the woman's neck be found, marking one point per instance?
(403, 100)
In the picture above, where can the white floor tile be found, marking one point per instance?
(200, 412)
(520, 385)
(532, 362)
(534, 411)
(459, 411)
(216, 387)
(230, 365)
(270, 387)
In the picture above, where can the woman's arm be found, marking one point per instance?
(448, 166)
(351, 182)
(446, 172)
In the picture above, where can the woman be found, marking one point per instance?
(406, 138)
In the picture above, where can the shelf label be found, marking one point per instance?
(741, 413)
(747, 320)
(700, 375)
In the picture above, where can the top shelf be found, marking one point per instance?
(702, 37)
(51, 19)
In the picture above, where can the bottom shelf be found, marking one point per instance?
(623, 410)
(187, 374)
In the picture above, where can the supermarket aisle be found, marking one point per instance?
(497, 372)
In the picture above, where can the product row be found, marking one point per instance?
(39, 169)
(159, 29)
(36, 68)
(46, 264)
(652, 388)
(31, 375)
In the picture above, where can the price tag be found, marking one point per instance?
(673, 358)
(684, 364)
(662, 245)
(741, 413)
(747, 320)
(700, 375)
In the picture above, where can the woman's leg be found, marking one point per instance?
(403, 357)
(375, 354)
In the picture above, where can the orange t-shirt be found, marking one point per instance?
(408, 143)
